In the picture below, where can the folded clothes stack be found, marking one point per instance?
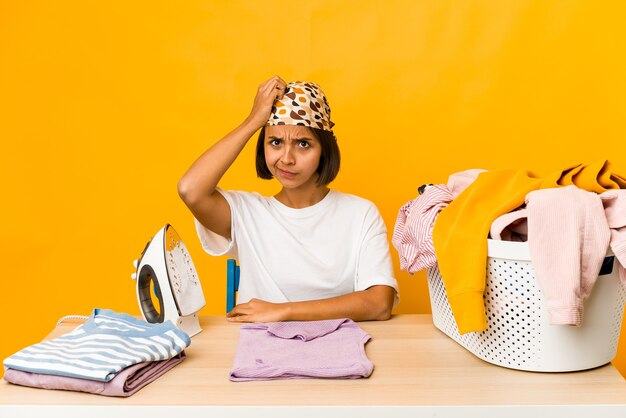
(331, 349)
(111, 354)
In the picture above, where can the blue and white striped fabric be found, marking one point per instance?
(105, 344)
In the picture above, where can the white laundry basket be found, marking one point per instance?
(518, 334)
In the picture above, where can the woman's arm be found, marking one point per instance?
(373, 304)
(197, 187)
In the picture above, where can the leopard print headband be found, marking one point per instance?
(303, 104)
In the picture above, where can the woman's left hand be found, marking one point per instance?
(257, 310)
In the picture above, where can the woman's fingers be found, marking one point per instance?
(274, 87)
(240, 313)
(271, 84)
(267, 86)
(240, 318)
(266, 95)
(235, 311)
(280, 86)
(258, 310)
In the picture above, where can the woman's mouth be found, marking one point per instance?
(286, 174)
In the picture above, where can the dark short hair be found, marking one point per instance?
(330, 157)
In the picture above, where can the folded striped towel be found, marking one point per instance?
(105, 344)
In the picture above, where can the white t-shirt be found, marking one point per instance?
(335, 247)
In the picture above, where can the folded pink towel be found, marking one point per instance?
(301, 349)
(124, 384)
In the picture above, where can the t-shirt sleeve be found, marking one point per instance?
(375, 267)
(214, 243)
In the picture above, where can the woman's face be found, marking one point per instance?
(292, 154)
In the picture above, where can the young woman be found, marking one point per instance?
(309, 252)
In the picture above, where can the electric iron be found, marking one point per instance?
(166, 271)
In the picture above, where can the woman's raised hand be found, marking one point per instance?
(268, 92)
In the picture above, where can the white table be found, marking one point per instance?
(418, 372)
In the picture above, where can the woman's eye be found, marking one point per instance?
(275, 142)
(303, 144)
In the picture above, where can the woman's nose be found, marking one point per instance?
(287, 156)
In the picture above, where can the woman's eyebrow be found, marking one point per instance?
(304, 138)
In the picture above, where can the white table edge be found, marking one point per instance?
(315, 411)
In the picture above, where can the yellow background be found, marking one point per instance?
(104, 105)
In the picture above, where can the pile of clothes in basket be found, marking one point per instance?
(569, 219)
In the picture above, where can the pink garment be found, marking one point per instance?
(301, 349)
(568, 237)
(511, 226)
(460, 181)
(614, 202)
(413, 230)
(124, 384)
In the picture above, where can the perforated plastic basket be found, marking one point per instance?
(518, 335)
